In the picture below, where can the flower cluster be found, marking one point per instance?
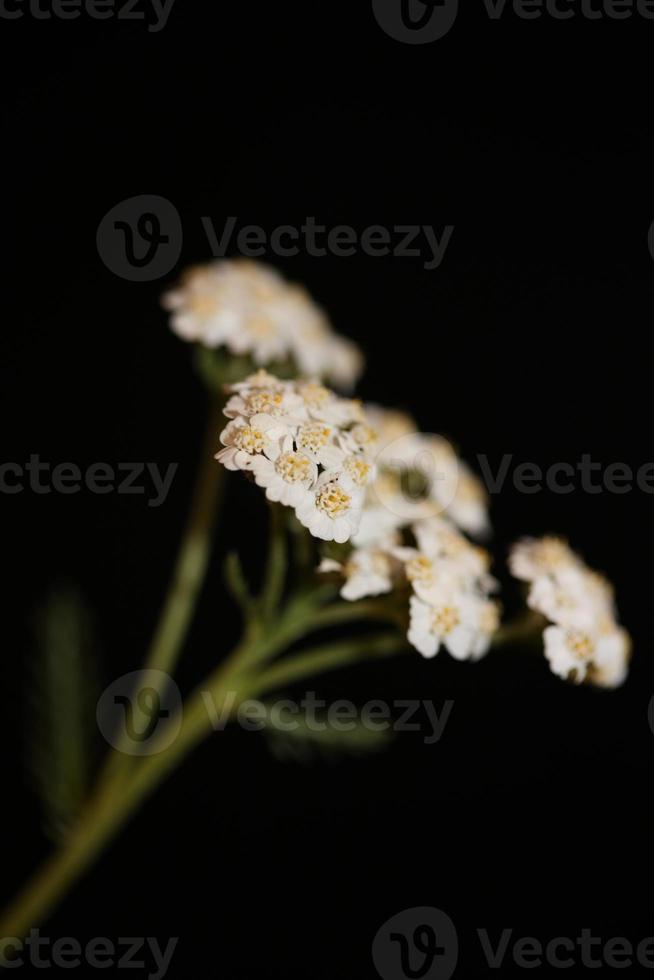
(401, 501)
(309, 448)
(585, 641)
(249, 308)
(408, 538)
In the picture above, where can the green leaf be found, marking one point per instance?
(63, 699)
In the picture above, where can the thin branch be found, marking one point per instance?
(331, 656)
(237, 583)
(275, 578)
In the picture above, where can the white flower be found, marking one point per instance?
(531, 558)
(362, 437)
(354, 471)
(462, 623)
(251, 309)
(329, 511)
(453, 486)
(451, 582)
(245, 439)
(260, 336)
(610, 664)
(198, 309)
(274, 399)
(323, 404)
(376, 523)
(601, 657)
(391, 426)
(444, 557)
(286, 478)
(388, 506)
(317, 440)
(367, 572)
(429, 471)
(440, 539)
(469, 505)
(318, 400)
(585, 642)
(345, 361)
(260, 379)
(572, 596)
(293, 436)
(448, 574)
(357, 470)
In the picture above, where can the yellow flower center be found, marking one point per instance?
(355, 408)
(420, 569)
(580, 644)
(293, 467)
(266, 401)
(445, 620)
(333, 500)
(249, 440)
(313, 437)
(357, 469)
(452, 544)
(315, 395)
(364, 434)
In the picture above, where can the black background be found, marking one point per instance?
(534, 139)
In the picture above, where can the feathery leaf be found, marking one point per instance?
(62, 702)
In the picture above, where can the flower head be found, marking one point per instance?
(418, 495)
(330, 510)
(294, 437)
(367, 572)
(585, 641)
(250, 309)
(463, 623)
(451, 605)
(246, 438)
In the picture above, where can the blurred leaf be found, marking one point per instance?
(305, 744)
(62, 706)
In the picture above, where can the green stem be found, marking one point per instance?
(113, 804)
(525, 628)
(109, 810)
(275, 578)
(237, 584)
(331, 656)
(194, 553)
(189, 572)
(346, 612)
